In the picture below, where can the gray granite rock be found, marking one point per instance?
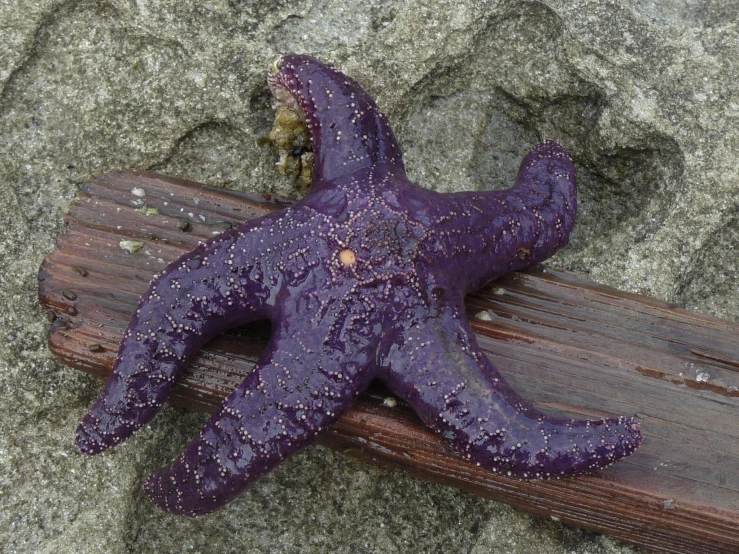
(644, 93)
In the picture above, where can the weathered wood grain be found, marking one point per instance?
(569, 346)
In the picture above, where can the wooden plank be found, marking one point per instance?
(569, 346)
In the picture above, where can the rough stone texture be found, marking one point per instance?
(645, 94)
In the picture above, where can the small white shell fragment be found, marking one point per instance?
(138, 191)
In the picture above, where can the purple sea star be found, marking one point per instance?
(364, 278)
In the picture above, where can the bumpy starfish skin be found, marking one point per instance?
(364, 278)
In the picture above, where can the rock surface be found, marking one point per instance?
(645, 94)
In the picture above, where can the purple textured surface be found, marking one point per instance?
(364, 278)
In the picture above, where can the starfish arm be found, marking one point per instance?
(495, 232)
(196, 297)
(439, 369)
(348, 130)
(298, 389)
